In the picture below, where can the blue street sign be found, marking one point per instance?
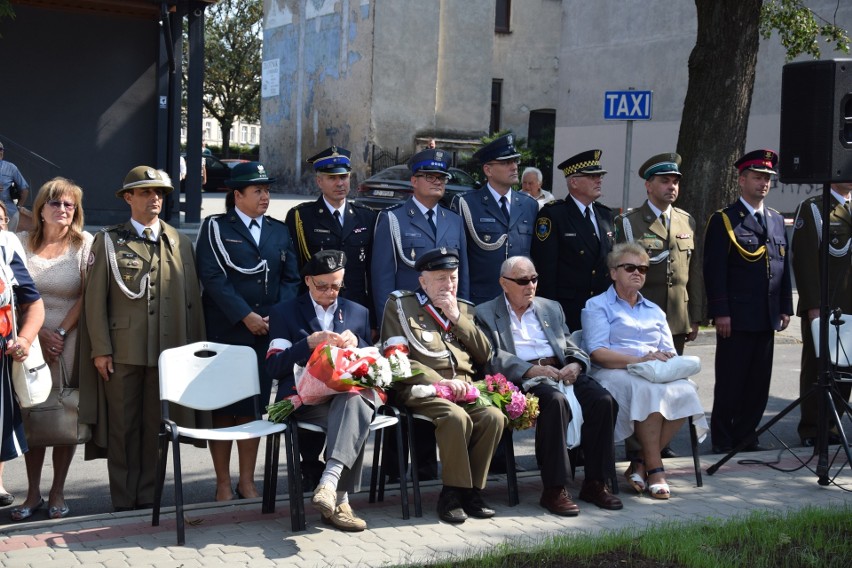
(627, 105)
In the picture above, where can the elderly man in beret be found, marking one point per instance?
(247, 264)
(142, 296)
(447, 347)
(297, 327)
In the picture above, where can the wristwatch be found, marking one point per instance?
(61, 331)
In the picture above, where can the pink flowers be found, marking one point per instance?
(522, 410)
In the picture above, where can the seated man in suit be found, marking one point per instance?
(447, 348)
(296, 327)
(532, 348)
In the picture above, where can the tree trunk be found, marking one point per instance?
(716, 109)
(226, 136)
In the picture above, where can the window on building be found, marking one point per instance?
(502, 18)
(243, 134)
(253, 135)
(496, 100)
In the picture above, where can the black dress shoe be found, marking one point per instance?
(474, 506)
(756, 447)
(667, 452)
(450, 508)
(6, 499)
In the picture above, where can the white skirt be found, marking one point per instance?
(638, 398)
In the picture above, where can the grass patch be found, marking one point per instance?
(809, 537)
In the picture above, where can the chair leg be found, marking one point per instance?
(403, 479)
(376, 472)
(270, 472)
(511, 474)
(294, 474)
(412, 459)
(181, 534)
(162, 456)
(693, 439)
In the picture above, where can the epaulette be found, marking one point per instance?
(628, 213)
(401, 293)
(392, 207)
(111, 228)
(359, 205)
(302, 204)
(774, 210)
(463, 301)
(681, 211)
(552, 203)
(274, 219)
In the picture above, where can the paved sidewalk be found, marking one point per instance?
(238, 534)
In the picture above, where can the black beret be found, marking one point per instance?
(324, 262)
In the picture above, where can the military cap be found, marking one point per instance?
(438, 259)
(499, 149)
(146, 176)
(584, 163)
(762, 161)
(324, 262)
(661, 165)
(248, 173)
(430, 160)
(333, 161)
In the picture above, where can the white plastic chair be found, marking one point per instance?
(207, 376)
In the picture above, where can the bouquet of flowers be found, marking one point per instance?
(334, 370)
(521, 410)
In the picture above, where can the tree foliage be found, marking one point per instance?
(232, 70)
(799, 28)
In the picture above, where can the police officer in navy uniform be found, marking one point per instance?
(333, 222)
(749, 295)
(406, 231)
(246, 264)
(499, 222)
(573, 238)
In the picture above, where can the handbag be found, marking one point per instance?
(657, 371)
(55, 421)
(31, 377)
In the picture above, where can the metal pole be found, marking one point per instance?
(628, 146)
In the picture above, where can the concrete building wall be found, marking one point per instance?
(617, 44)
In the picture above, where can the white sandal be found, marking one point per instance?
(636, 480)
(658, 490)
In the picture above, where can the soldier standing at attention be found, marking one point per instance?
(333, 222)
(573, 238)
(807, 236)
(142, 296)
(749, 298)
(498, 221)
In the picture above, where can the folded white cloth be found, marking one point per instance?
(656, 371)
(574, 427)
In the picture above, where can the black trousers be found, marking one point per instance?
(743, 372)
(599, 414)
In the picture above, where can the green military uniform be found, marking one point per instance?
(141, 297)
(805, 247)
(466, 437)
(674, 279)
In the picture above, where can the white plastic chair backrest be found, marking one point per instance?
(188, 376)
(844, 357)
(577, 338)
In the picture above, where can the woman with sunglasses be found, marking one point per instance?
(621, 327)
(57, 249)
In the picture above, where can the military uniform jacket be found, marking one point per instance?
(807, 234)
(235, 279)
(458, 352)
(394, 253)
(490, 239)
(571, 261)
(135, 331)
(674, 279)
(313, 229)
(754, 291)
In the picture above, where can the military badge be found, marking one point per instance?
(91, 260)
(542, 229)
(427, 336)
(800, 223)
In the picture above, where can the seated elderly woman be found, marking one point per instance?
(621, 327)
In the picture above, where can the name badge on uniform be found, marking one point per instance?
(235, 241)
(128, 255)
(570, 234)
(487, 220)
(413, 235)
(321, 231)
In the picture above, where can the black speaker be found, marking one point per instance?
(816, 122)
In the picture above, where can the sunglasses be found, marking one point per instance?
(522, 281)
(66, 204)
(631, 268)
(322, 287)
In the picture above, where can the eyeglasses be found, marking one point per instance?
(509, 162)
(523, 281)
(322, 287)
(433, 178)
(593, 176)
(631, 268)
(65, 204)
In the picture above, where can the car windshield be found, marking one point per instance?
(397, 173)
(461, 177)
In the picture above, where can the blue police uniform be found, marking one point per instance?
(747, 278)
(491, 239)
(240, 277)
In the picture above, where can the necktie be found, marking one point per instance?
(253, 224)
(588, 216)
(846, 206)
(336, 216)
(429, 215)
(759, 218)
(148, 233)
(504, 208)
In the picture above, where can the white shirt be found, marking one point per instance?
(752, 210)
(325, 316)
(155, 228)
(255, 231)
(497, 198)
(658, 212)
(591, 209)
(423, 209)
(331, 209)
(530, 341)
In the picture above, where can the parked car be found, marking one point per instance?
(393, 185)
(217, 172)
(231, 162)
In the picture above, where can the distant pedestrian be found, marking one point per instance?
(10, 176)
